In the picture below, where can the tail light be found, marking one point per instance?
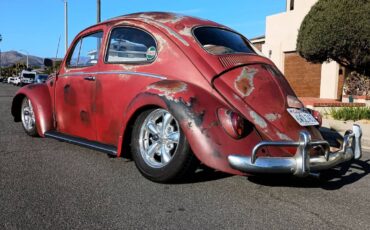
(235, 125)
(317, 116)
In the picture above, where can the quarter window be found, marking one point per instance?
(131, 45)
(86, 51)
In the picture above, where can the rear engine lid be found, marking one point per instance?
(265, 95)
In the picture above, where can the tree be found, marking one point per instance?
(337, 30)
(54, 68)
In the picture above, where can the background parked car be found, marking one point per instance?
(27, 77)
(16, 81)
(41, 78)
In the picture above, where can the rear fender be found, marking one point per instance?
(196, 111)
(41, 102)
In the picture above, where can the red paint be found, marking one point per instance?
(186, 80)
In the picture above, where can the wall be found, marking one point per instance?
(281, 37)
(282, 31)
(329, 80)
(304, 77)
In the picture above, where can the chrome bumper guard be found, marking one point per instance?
(301, 164)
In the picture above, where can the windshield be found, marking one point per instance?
(29, 75)
(220, 41)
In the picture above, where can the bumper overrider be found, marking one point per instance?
(301, 164)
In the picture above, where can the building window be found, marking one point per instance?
(291, 4)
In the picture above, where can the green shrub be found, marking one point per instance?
(337, 30)
(351, 113)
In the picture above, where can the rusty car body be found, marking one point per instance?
(174, 91)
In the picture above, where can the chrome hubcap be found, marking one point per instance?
(28, 116)
(159, 138)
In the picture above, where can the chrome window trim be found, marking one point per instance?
(115, 72)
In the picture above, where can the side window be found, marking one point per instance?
(86, 51)
(130, 45)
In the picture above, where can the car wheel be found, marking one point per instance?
(159, 147)
(28, 118)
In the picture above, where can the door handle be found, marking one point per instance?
(89, 78)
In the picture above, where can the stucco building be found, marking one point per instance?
(279, 44)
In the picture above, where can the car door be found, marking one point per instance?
(75, 88)
(127, 66)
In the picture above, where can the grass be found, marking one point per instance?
(351, 113)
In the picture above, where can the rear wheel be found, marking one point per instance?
(160, 149)
(28, 117)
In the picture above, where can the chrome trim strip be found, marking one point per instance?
(111, 150)
(116, 72)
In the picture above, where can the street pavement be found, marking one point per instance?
(47, 184)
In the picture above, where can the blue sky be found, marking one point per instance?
(36, 25)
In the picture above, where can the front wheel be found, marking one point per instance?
(160, 149)
(28, 117)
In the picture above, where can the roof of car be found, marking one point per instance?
(172, 20)
(176, 24)
(164, 17)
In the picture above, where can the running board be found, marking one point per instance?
(109, 149)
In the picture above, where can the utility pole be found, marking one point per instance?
(1, 38)
(98, 11)
(27, 55)
(66, 24)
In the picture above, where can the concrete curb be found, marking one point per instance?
(342, 126)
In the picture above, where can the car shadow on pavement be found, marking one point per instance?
(204, 174)
(334, 138)
(333, 179)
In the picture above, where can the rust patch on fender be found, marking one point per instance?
(272, 116)
(284, 137)
(244, 83)
(168, 88)
(258, 120)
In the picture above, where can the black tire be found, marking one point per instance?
(31, 130)
(182, 164)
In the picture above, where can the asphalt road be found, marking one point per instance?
(47, 184)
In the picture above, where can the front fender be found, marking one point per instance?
(41, 101)
(196, 110)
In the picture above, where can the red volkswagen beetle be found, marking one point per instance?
(174, 91)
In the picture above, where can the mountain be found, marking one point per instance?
(9, 58)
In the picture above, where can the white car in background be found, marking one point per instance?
(14, 80)
(27, 77)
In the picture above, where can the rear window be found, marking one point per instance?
(219, 41)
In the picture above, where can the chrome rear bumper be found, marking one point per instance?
(301, 164)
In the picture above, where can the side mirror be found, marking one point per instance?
(48, 62)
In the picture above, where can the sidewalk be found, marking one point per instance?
(342, 126)
(313, 102)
